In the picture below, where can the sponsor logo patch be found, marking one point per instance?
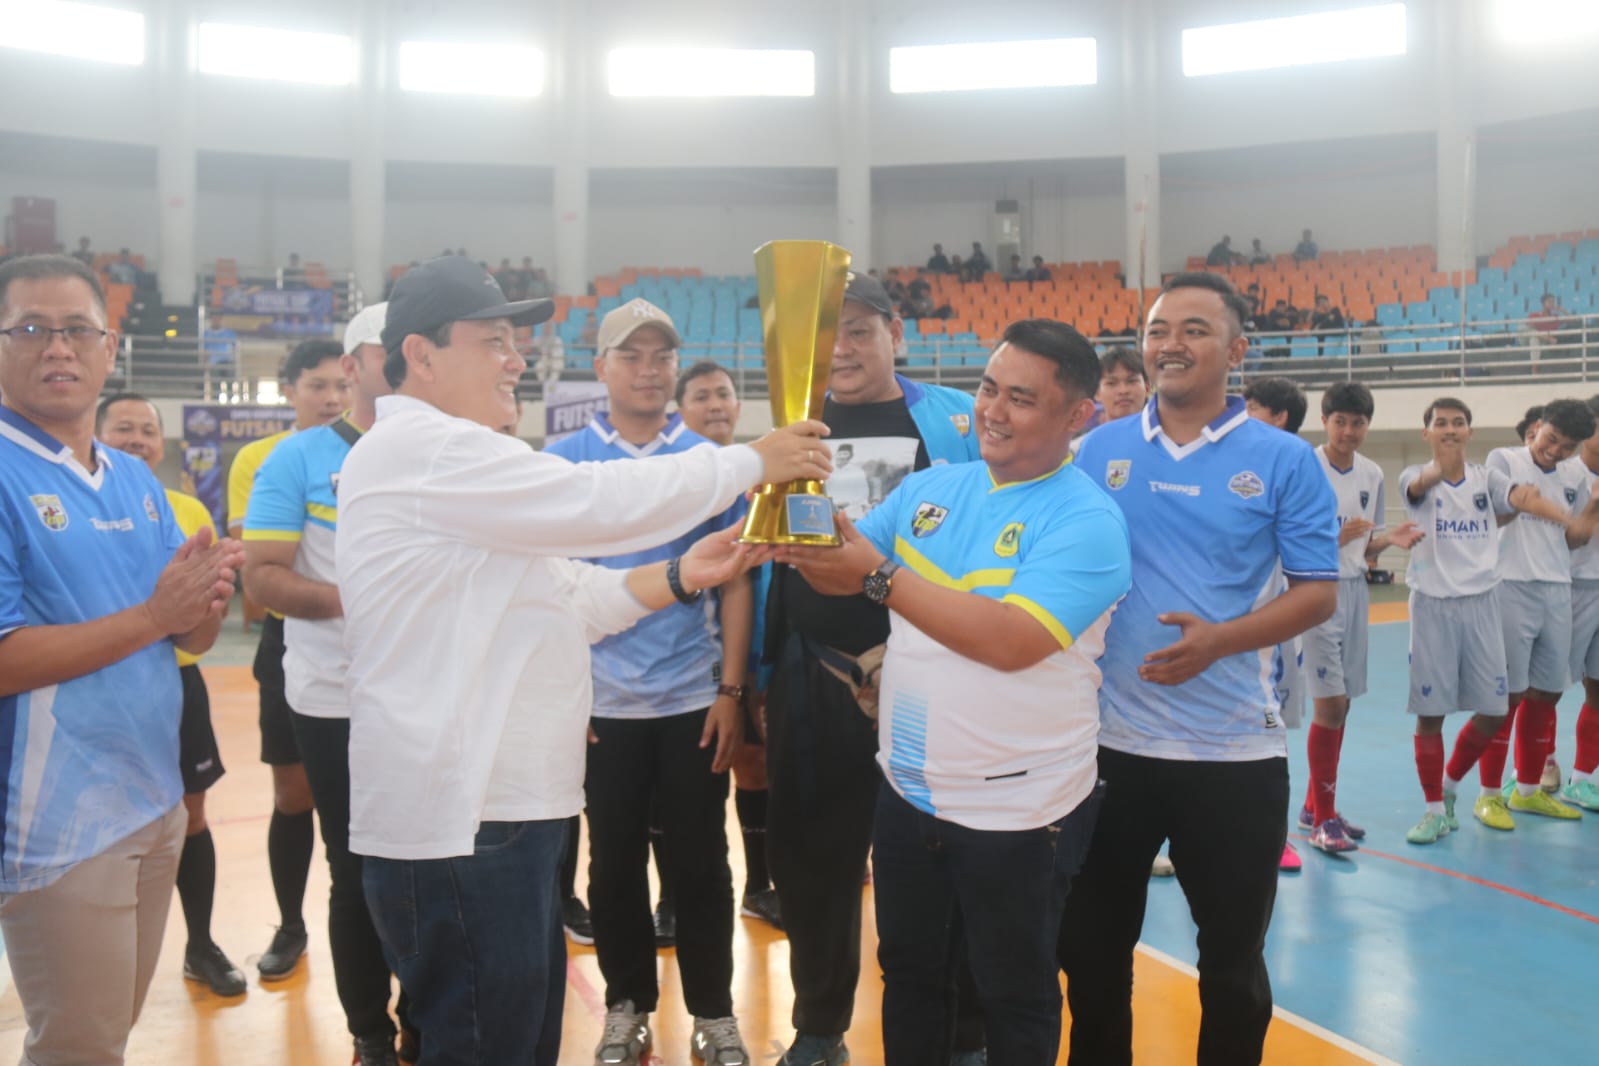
(929, 516)
(1365, 499)
(1479, 501)
(51, 513)
(962, 424)
(1117, 471)
(1246, 485)
(1010, 539)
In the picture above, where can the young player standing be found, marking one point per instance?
(1582, 790)
(1535, 600)
(1335, 651)
(1457, 648)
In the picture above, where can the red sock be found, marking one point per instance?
(1491, 767)
(1535, 739)
(1430, 766)
(1469, 746)
(1587, 760)
(1321, 749)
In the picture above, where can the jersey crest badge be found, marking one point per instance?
(51, 513)
(929, 516)
(1571, 497)
(962, 424)
(1480, 501)
(1246, 485)
(1117, 472)
(149, 509)
(1365, 499)
(1010, 539)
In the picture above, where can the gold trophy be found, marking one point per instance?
(802, 292)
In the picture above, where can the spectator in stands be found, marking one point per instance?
(1326, 317)
(1281, 317)
(540, 288)
(1257, 254)
(84, 255)
(124, 271)
(511, 280)
(977, 264)
(896, 288)
(1221, 253)
(1016, 271)
(1549, 317)
(957, 267)
(939, 263)
(1252, 298)
(1039, 271)
(1306, 249)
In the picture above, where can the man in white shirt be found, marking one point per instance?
(468, 629)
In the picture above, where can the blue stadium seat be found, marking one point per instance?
(1302, 347)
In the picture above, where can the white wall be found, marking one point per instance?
(1537, 177)
(492, 212)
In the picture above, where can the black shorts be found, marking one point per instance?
(277, 730)
(198, 758)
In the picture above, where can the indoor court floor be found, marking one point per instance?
(1478, 949)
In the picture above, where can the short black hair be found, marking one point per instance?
(1076, 364)
(1571, 419)
(1348, 398)
(1531, 415)
(1593, 404)
(120, 397)
(1279, 395)
(308, 355)
(1124, 358)
(702, 369)
(1200, 279)
(1445, 403)
(394, 358)
(46, 267)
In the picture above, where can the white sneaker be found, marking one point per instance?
(717, 1043)
(1551, 779)
(626, 1036)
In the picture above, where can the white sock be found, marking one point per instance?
(1450, 784)
(1525, 790)
(1436, 808)
(1581, 775)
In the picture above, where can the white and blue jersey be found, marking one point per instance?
(670, 662)
(1211, 520)
(90, 761)
(295, 499)
(985, 748)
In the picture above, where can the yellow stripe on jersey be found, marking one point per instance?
(191, 516)
(922, 566)
(291, 536)
(328, 514)
(1047, 620)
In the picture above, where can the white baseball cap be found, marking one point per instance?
(366, 327)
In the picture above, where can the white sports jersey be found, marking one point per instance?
(1584, 560)
(1459, 556)
(1532, 549)
(1360, 495)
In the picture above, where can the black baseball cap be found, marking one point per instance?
(452, 288)
(869, 291)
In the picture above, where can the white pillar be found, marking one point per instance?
(175, 152)
(571, 73)
(1457, 157)
(1141, 155)
(854, 106)
(367, 167)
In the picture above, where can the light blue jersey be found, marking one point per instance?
(89, 761)
(295, 499)
(670, 662)
(985, 748)
(1210, 520)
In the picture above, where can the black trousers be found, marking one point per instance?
(637, 761)
(1226, 824)
(359, 971)
(821, 754)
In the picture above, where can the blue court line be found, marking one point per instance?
(1476, 949)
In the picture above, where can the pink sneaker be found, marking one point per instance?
(1290, 863)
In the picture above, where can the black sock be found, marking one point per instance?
(289, 841)
(197, 885)
(574, 829)
(751, 807)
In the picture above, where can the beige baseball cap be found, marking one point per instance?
(618, 326)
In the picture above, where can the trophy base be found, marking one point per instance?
(797, 512)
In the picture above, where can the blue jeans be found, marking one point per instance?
(998, 896)
(476, 942)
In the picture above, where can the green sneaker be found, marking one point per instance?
(1449, 811)
(1541, 802)
(1582, 793)
(1508, 789)
(1491, 812)
(1429, 829)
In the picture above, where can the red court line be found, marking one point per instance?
(1480, 882)
(585, 991)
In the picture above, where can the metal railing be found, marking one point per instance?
(1506, 352)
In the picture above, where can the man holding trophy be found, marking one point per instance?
(821, 747)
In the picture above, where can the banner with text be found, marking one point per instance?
(212, 430)
(569, 405)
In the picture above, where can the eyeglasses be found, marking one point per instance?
(32, 337)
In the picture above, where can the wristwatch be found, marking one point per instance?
(737, 692)
(877, 584)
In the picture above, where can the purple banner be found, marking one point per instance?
(212, 432)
